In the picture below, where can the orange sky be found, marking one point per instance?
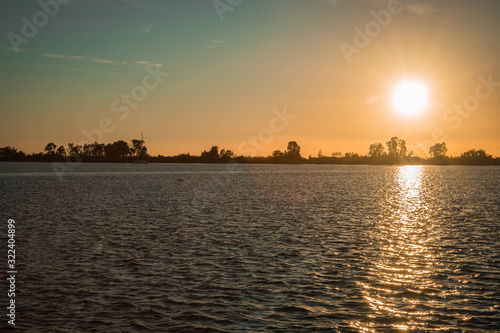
(227, 76)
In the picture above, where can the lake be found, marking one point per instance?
(253, 248)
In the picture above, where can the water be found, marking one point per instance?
(260, 248)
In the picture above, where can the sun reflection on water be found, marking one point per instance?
(399, 278)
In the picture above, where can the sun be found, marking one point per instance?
(410, 97)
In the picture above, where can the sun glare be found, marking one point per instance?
(410, 97)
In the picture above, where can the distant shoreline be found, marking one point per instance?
(257, 160)
(121, 152)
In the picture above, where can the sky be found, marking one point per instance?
(248, 75)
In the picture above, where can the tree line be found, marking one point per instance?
(394, 152)
(118, 151)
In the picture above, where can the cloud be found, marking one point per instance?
(423, 8)
(108, 62)
(147, 29)
(372, 3)
(86, 58)
(80, 58)
(57, 56)
(149, 63)
(10, 49)
(214, 43)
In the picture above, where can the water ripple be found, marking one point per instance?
(190, 248)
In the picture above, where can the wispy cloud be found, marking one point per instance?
(57, 56)
(10, 49)
(81, 58)
(374, 3)
(85, 58)
(149, 63)
(147, 29)
(108, 62)
(215, 43)
(423, 8)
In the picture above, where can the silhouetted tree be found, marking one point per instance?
(61, 151)
(292, 153)
(376, 150)
(277, 154)
(212, 155)
(98, 149)
(474, 156)
(402, 149)
(438, 150)
(88, 149)
(78, 149)
(109, 151)
(50, 149)
(226, 155)
(351, 157)
(396, 147)
(293, 150)
(11, 152)
(118, 150)
(473, 153)
(70, 148)
(337, 154)
(138, 149)
(74, 150)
